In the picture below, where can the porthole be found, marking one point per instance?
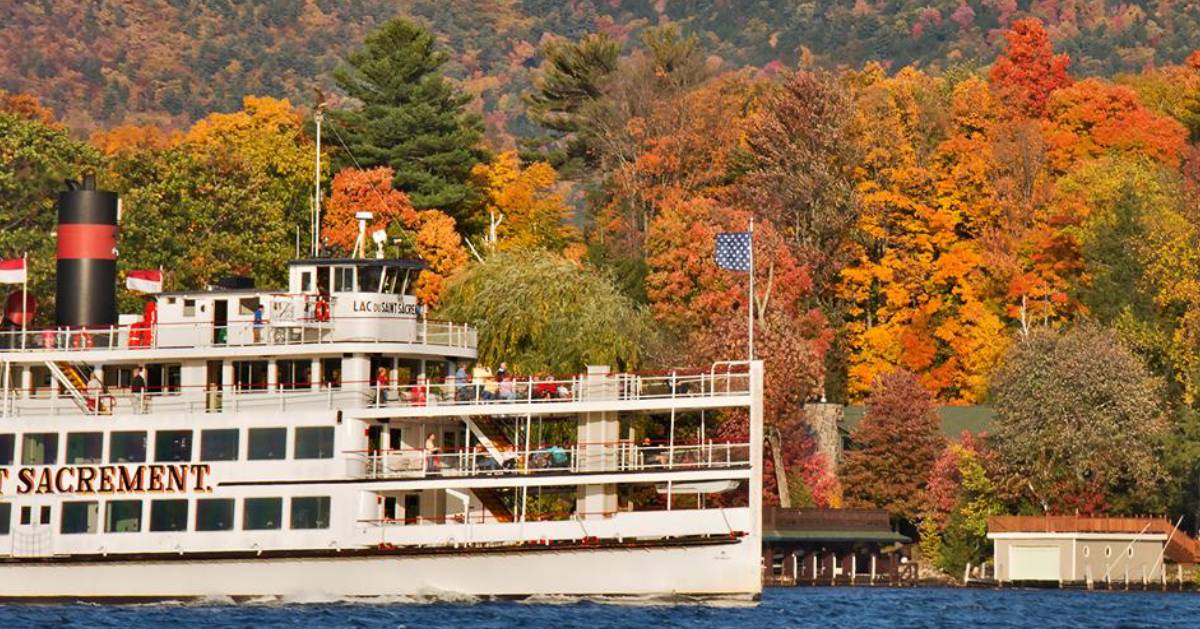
(1131, 551)
(1087, 552)
(1108, 551)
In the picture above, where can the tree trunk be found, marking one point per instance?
(785, 498)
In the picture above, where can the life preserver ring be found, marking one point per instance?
(322, 310)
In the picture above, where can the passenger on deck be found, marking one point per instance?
(502, 372)
(258, 323)
(137, 389)
(381, 386)
(420, 393)
(461, 384)
(213, 398)
(480, 377)
(95, 389)
(432, 451)
(545, 389)
(508, 390)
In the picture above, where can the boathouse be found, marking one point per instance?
(834, 547)
(1086, 550)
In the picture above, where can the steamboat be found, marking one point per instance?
(331, 440)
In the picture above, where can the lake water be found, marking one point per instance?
(805, 607)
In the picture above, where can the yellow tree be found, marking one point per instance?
(524, 205)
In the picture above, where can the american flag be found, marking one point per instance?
(733, 251)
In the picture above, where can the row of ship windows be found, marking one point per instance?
(170, 446)
(171, 515)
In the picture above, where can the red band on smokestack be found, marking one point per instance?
(82, 241)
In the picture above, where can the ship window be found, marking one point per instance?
(39, 448)
(314, 442)
(214, 514)
(5, 518)
(370, 279)
(84, 448)
(117, 377)
(219, 445)
(173, 446)
(247, 305)
(250, 374)
(26, 515)
(163, 379)
(305, 281)
(45, 514)
(310, 512)
(331, 372)
(7, 445)
(80, 517)
(260, 514)
(168, 515)
(123, 516)
(267, 444)
(189, 307)
(343, 279)
(294, 374)
(127, 447)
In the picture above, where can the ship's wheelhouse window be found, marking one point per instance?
(343, 279)
(314, 442)
(262, 514)
(219, 444)
(5, 518)
(305, 281)
(370, 279)
(189, 307)
(123, 516)
(294, 374)
(26, 515)
(84, 448)
(310, 512)
(168, 515)
(214, 514)
(39, 448)
(250, 375)
(172, 446)
(45, 518)
(331, 372)
(8, 443)
(80, 517)
(266, 444)
(127, 447)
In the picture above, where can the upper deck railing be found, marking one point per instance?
(466, 396)
(205, 334)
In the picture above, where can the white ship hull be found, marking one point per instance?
(721, 568)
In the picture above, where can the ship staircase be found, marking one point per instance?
(70, 376)
(492, 436)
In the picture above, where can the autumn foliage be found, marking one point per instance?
(1028, 72)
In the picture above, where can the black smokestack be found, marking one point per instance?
(87, 256)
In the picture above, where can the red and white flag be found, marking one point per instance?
(13, 271)
(144, 281)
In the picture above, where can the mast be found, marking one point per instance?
(319, 116)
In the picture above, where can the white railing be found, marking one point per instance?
(469, 395)
(581, 388)
(246, 334)
(477, 527)
(568, 459)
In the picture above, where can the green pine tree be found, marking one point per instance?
(411, 118)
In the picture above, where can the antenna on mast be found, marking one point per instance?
(318, 117)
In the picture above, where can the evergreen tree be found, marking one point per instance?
(412, 119)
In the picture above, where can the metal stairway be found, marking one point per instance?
(490, 434)
(494, 503)
(72, 381)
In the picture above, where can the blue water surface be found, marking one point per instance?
(805, 607)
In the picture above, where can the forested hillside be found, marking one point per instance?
(99, 63)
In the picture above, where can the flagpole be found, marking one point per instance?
(750, 310)
(24, 296)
